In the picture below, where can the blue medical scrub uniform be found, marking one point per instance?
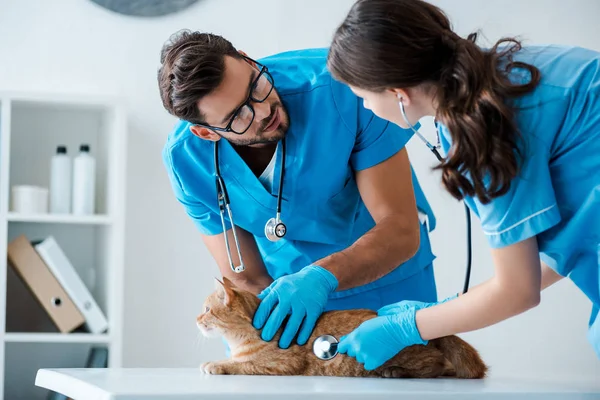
(556, 197)
(330, 137)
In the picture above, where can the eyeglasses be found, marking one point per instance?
(243, 116)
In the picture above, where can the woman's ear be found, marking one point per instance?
(402, 96)
(204, 133)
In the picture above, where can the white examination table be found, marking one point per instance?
(191, 384)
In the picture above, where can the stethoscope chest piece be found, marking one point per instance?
(325, 347)
(275, 229)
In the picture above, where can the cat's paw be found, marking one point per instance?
(213, 368)
(394, 372)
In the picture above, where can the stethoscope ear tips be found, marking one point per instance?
(275, 229)
(239, 268)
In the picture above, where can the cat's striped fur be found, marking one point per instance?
(229, 311)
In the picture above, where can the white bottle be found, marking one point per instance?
(84, 182)
(60, 182)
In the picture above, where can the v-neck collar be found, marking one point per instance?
(235, 169)
(267, 176)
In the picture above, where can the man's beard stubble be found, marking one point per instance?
(273, 137)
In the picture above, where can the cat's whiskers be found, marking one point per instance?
(250, 355)
(199, 339)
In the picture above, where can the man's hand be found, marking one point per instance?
(304, 294)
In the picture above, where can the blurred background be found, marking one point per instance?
(77, 48)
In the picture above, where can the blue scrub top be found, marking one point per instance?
(556, 197)
(331, 135)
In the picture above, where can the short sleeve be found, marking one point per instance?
(527, 209)
(376, 140)
(206, 220)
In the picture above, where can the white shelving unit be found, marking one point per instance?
(56, 338)
(31, 126)
(58, 219)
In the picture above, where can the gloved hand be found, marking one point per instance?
(404, 305)
(377, 340)
(304, 293)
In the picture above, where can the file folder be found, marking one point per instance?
(43, 285)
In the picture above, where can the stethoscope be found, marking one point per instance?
(434, 150)
(275, 229)
(325, 346)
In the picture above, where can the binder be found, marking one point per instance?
(43, 285)
(23, 312)
(67, 276)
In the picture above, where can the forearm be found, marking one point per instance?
(388, 244)
(253, 284)
(514, 289)
(255, 277)
(482, 306)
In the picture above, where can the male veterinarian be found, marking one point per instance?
(348, 234)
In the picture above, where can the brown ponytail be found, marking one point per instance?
(388, 44)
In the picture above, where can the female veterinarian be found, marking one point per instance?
(520, 127)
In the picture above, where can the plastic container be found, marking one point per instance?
(60, 182)
(84, 182)
(29, 199)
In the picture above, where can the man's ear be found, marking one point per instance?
(204, 133)
(247, 60)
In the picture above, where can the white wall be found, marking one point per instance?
(74, 46)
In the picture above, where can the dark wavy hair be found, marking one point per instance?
(192, 66)
(389, 44)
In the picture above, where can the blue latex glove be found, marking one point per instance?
(304, 293)
(377, 340)
(404, 305)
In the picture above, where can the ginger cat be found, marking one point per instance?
(229, 312)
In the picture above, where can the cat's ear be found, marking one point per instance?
(225, 293)
(228, 283)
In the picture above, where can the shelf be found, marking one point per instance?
(63, 101)
(94, 244)
(56, 338)
(60, 219)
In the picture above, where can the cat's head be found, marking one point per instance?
(227, 309)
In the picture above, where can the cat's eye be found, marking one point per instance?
(206, 309)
